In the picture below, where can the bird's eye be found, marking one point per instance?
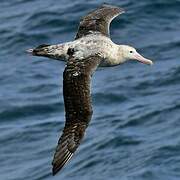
(131, 51)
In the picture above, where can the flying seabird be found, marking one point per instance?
(91, 48)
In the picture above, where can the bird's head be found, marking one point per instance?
(130, 53)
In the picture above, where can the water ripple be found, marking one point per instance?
(134, 133)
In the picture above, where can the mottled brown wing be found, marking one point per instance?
(98, 20)
(77, 100)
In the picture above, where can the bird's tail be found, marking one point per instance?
(58, 52)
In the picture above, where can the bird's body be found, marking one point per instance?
(87, 46)
(91, 48)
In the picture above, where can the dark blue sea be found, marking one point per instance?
(135, 130)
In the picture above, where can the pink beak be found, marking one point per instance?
(141, 59)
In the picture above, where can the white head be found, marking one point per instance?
(130, 53)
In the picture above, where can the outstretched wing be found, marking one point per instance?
(77, 100)
(98, 20)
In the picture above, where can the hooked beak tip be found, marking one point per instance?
(147, 61)
(151, 63)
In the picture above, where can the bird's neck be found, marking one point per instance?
(120, 54)
(113, 56)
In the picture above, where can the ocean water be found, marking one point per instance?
(135, 130)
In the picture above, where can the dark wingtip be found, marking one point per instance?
(56, 168)
(54, 171)
(59, 164)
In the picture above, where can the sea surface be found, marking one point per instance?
(135, 130)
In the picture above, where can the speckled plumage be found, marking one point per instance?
(89, 45)
(91, 48)
(92, 38)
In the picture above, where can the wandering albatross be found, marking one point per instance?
(91, 48)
